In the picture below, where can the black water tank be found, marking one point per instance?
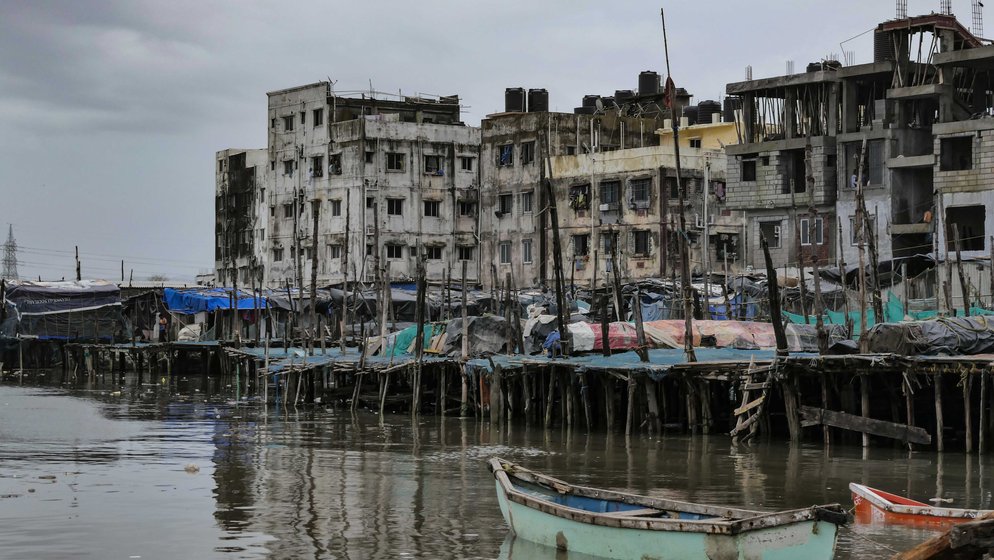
(707, 108)
(608, 102)
(814, 67)
(691, 114)
(883, 47)
(622, 96)
(732, 104)
(584, 110)
(648, 83)
(514, 100)
(591, 100)
(538, 101)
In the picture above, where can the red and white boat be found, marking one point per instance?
(874, 505)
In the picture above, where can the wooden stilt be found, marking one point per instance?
(631, 405)
(982, 446)
(825, 431)
(967, 408)
(550, 396)
(653, 404)
(937, 384)
(909, 405)
(864, 404)
(791, 401)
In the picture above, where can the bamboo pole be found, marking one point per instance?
(774, 295)
(937, 385)
(964, 285)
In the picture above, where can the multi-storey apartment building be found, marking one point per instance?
(384, 178)
(924, 117)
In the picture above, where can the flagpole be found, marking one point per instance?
(685, 288)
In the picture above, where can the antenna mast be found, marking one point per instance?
(946, 7)
(10, 256)
(978, 19)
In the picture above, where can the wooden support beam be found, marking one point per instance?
(746, 408)
(653, 405)
(937, 385)
(818, 416)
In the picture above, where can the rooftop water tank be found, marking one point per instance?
(514, 100)
(648, 83)
(538, 101)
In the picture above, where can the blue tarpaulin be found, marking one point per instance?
(195, 300)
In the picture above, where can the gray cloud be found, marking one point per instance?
(111, 111)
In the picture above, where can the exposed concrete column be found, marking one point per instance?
(850, 109)
(749, 118)
(790, 113)
(833, 110)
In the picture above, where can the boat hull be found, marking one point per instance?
(874, 506)
(810, 539)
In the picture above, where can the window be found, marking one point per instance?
(969, 222)
(432, 208)
(288, 167)
(278, 254)
(335, 164)
(581, 245)
(303, 114)
(433, 165)
(610, 242)
(505, 252)
(956, 154)
(765, 161)
(641, 239)
(504, 203)
(527, 152)
(579, 197)
(640, 192)
(370, 252)
(526, 201)
(671, 184)
(272, 165)
(433, 253)
(370, 202)
(288, 210)
(467, 208)
(793, 176)
(609, 192)
(334, 251)
(748, 170)
(272, 123)
(873, 167)
(395, 206)
(466, 163)
(395, 251)
(854, 233)
(806, 231)
(272, 211)
(571, 150)
(526, 251)
(369, 157)
(695, 143)
(317, 166)
(505, 155)
(288, 123)
(466, 253)
(318, 117)
(771, 231)
(395, 161)
(336, 207)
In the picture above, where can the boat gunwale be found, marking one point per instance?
(727, 521)
(870, 495)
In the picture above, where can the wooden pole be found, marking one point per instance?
(643, 350)
(861, 239)
(937, 385)
(686, 289)
(864, 402)
(964, 285)
(562, 314)
(465, 346)
(79, 275)
(315, 213)
(419, 337)
(774, 294)
(968, 411)
(842, 274)
(343, 319)
(982, 447)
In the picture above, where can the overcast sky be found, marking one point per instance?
(111, 112)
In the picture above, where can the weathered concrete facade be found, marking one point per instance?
(515, 229)
(241, 218)
(640, 224)
(917, 113)
(386, 178)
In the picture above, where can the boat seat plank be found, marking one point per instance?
(633, 512)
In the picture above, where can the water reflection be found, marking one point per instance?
(333, 484)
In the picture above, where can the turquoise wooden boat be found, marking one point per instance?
(609, 524)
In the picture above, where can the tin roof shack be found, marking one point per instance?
(241, 215)
(916, 108)
(515, 232)
(383, 174)
(626, 200)
(82, 311)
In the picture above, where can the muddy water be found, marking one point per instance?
(150, 472)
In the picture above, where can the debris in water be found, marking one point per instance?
(191, 468)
